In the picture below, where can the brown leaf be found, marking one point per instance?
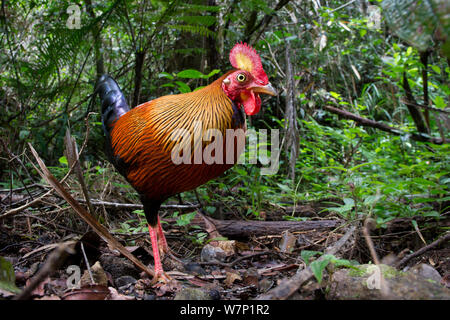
(287, 242)
(50, 297)
(93, 292)
(40, 289)
(114, 295)
(162, 289)
(231, 278)
(210, 227)
(229, 246)
(98, 274)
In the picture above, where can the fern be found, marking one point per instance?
(203, 31)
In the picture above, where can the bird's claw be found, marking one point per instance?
(161, 276)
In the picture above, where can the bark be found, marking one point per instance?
(99, 62)
(426, 100)
(263, 23)
(139, 64)
(246, 229)
(211, 44)
(292, 132)
(413, 110)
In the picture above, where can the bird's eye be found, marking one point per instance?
(241, 77)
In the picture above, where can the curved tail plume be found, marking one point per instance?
(112, 100)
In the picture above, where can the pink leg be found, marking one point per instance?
(154, 239)
(162, 238)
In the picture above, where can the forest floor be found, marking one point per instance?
(214, 266)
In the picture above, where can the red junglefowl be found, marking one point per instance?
(140, 141)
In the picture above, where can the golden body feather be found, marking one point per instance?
(142, 139)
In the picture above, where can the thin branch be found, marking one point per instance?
(384, 127)
(442, 239)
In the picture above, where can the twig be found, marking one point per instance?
(373, 253)
(54, 261)
(287, 286)
(73, 158)
(138, 206)
(17, 210)
(87, 263)
(445, 237)
(86, 216)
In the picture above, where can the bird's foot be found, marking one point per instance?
(161, 276)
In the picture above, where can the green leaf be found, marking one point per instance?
(308, 254)
(370, 200)
(318, 266)
(23, 134)
(191, 74)
(165, 75)
(183, 87)
(185, 219)
(436, 69)
(335, 95)
(63, 160)
(7, 276)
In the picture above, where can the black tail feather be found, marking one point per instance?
(112, 100)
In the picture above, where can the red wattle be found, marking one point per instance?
(251, 102)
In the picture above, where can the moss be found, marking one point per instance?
(366, 270)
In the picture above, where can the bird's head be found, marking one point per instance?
(244, 84)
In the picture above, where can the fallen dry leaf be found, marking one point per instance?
(40, 289)
(231, 278)
(93, 292)
(229, 246)
(114, 295)
(287, 242)
(98, 274)
(162, 289)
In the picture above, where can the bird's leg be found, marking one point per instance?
(164, 247)
(159, 272)
(162, 239)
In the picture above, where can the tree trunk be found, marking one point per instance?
(416, 114)
(99, 62)
(292, 134)
(139, 64)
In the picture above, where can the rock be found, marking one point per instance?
(124, 281)
(212, 254)
(426, 271)
(195, 268)
(192, 294)
(118, 267)
(364, 284)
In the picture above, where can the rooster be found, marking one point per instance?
(140, 141)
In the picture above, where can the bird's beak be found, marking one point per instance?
(267, 89)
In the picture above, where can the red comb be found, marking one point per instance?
(244, 57)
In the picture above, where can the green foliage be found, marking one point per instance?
(339, 55)
(318, 266)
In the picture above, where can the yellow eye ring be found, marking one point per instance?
(241, 77)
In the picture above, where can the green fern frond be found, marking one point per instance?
(203, 31)
(198, 20)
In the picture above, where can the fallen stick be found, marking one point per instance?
(287, 287)
(53, 262)
(422, 250)
(138, 206)
(86, 216)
